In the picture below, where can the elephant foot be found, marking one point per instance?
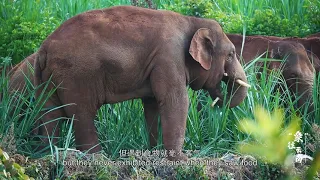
(90, 149)
(180, 157)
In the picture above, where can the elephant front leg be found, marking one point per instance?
(85, 132)
(172, 98)
(173, 114)
(151, 113)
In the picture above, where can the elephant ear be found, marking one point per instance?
(276, 56)
(314, 59)
(201, 47)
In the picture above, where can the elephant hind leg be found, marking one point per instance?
(84, 99)
(48, 127)
(85, 132)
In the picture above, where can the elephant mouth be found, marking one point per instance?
(238, 81)
(232, 85)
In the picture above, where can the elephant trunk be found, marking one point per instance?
(236, 80)
(237, 83)
(306, 99)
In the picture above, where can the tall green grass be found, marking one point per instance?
(122, 126)
(26, 23)
(62, 9)
(20, 109)
(65, 9)
(284, 8)
(213, 131)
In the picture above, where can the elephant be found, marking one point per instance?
(125, 52)
(297, 69)
(310, 43)
(314, 35)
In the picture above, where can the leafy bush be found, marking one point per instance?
(21, 37)
(313, 7)
(267, 22)
(198, 8)
(261, 21)
(231, 23)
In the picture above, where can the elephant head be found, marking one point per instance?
(297, 69)
(314, 35)
(217, 57)
(312, 46)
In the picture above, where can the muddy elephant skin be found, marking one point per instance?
(124, 52)
(297, 68)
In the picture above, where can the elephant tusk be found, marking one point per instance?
(215, 102)
(225, 74)
(242, 83)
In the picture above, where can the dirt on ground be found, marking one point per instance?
(73, 164)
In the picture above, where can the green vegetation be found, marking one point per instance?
(24, 24)
(9, 169)
(264, 17)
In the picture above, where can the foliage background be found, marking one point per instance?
(24, 24)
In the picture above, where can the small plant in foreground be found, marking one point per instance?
(9, 169)
(191, 172)
(273, 142)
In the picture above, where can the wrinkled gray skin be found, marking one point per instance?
(297, 68)
(121, 53)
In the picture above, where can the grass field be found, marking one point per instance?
(212, 131)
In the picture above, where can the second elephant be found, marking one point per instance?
(297, 68)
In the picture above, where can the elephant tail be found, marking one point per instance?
(39, 65)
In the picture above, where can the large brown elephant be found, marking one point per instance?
(310, 43)
(297, 69)
(125, 52)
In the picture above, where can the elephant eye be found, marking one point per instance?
(293, 75)
(231, 54)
